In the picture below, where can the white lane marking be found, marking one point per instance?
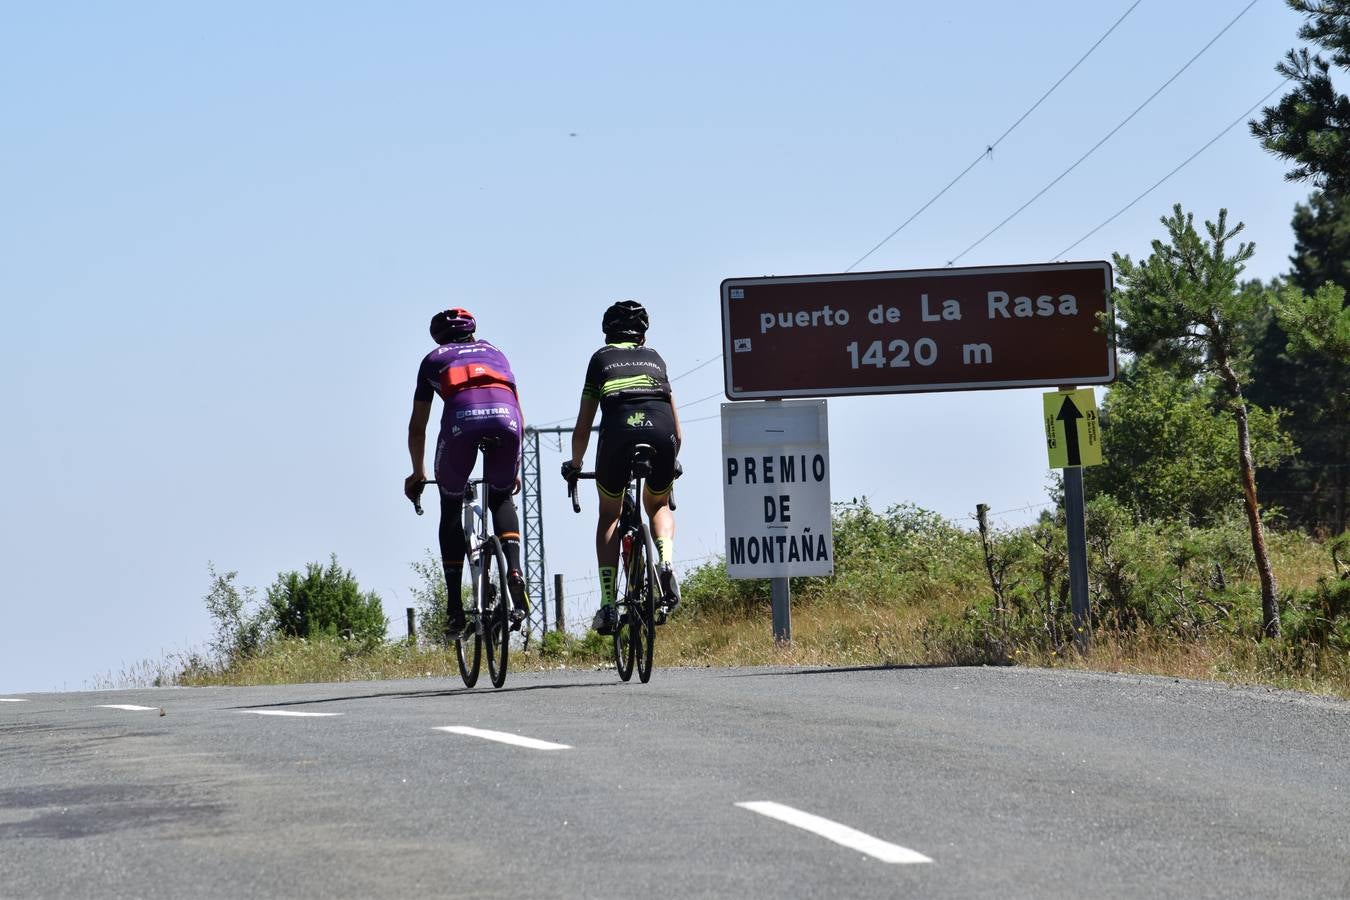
(834, 831)
(287, 712)
(129, 707)
(13, 700)
(504, 737)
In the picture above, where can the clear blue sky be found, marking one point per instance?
(223, 228)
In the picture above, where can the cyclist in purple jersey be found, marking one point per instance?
(475, 383)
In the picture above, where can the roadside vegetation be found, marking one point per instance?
(914, 589)
(1216, 527)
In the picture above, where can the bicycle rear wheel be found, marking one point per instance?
(628, 593)
(644, 613)
(496, 604)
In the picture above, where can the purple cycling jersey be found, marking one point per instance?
(475, 381)
(452, 369)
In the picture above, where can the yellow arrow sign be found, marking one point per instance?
(1072, 432)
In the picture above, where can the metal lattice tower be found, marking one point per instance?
(533, 527)
(532, 521)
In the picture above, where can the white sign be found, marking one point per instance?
(776, 489)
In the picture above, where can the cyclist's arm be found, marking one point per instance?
(581, 432)
(675, 414)
(417, 437)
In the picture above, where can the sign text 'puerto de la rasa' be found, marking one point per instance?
(924, 330)
(776, 489)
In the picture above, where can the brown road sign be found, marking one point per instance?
(923, 330)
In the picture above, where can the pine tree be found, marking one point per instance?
(1184, 308)
(1313, 489)
(1310, 126)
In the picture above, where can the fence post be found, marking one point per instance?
(558, 602)
(412, 627)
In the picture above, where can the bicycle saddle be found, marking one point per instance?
(643, 455)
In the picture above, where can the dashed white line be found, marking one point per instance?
(840, 834)
(13, 699)
(129, 707)
(288, 712)
(504, 737)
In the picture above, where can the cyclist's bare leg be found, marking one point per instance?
(662, 518)
(607, 557)
(607, 531)
(659, 513)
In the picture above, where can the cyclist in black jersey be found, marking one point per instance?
(627, 381)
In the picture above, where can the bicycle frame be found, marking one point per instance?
(634, 635)
(631, 523)
(474, 537)
(474, 542)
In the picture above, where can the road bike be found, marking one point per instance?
(488, 622)
(636, 582)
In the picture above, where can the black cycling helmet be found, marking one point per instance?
(450, 326)
(626, 318)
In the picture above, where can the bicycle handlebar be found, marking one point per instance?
(470, 487)
(572, 488)
(417, 503)
(580, 476)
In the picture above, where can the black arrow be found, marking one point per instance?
(1069, 415)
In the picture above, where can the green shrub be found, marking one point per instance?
(905, 553)
(553, 645)
(592, 647)
(241, 627)
(1322, 615)
(707, 591)
(325, 601)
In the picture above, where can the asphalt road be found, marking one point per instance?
(935, 783)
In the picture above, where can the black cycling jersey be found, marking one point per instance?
(625, 373)
(631, 383)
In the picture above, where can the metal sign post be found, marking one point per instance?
(1078, 568)
(1073, 440)
(782, 609)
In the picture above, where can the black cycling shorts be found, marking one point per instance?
(622, 428)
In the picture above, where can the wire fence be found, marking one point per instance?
(581, 593)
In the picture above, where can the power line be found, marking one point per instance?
(989, 150)
(1029, 506)
(700, 400)
(707, 362)
(1015, 213)
(1061, 254)
(554, 422)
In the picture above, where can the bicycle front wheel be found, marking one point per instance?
(469, 652)
(644, 626)
(496, 605)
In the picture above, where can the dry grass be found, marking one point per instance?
(923, 609)
(1228, 660)
(823, 635)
